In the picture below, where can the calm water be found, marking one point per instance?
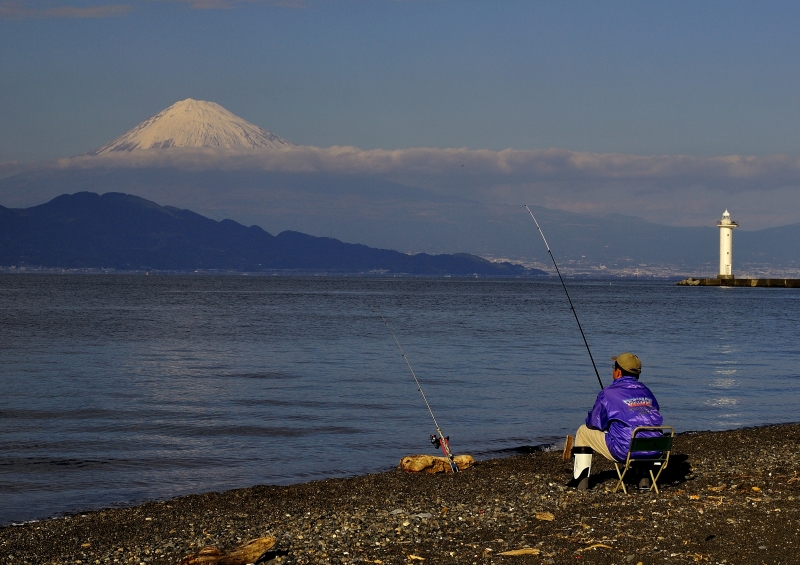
(118, 389)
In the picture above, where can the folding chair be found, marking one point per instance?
(662, 444)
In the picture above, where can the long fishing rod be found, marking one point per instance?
(441, 441)
(567, 293)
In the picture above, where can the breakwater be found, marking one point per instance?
(775, 283)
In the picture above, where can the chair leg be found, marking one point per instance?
(654, 478)
(664, 466)
(621, 476)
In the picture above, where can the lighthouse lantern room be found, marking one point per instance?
(726, 226)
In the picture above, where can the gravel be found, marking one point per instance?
(727, 497)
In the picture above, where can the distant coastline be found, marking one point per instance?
(289, 273)
(666, 275)
(301, 273)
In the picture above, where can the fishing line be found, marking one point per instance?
(574, 313)
(441, 441)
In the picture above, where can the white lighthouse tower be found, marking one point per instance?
(726, 226)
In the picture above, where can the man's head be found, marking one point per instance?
(627, 364)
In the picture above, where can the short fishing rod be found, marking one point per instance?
(574, 313)
(441, 441)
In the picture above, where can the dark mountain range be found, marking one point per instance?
(383, 214)
(120, 231)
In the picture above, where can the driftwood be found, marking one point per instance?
(523, 551)
(431, 464)
(242, 555)
(567, 454)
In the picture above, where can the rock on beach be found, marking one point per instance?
(727, 497)
(431, 464)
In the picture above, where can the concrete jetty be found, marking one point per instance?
(731, 281)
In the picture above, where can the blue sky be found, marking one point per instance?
(671, 111)
(709, 78)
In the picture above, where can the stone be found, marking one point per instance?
(431, 464)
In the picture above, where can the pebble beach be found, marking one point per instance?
(726, 497)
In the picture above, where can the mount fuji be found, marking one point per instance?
(197, 155)
(194, 123)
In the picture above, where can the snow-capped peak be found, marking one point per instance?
(194, 123)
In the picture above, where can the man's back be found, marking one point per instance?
(619, 408)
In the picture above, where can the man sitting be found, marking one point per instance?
(620, 407)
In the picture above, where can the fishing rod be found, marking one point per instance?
(441, 440)
(567, 293)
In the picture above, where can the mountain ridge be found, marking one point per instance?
(127, 232)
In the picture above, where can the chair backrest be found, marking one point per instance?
(662, 443)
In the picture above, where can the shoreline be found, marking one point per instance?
(481, 456)
(727, 497)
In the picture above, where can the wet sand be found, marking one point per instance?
(727, 497)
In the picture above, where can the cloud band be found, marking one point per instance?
(475, 167)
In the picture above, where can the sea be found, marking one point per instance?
(119, 389)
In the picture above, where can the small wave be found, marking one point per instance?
(521, 450)
(722, 402)
(724, 383)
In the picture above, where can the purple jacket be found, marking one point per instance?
(620, 407)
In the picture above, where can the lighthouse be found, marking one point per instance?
(726, 226)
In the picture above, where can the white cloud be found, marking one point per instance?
(466, 167)
(666, 189)
(8, 168)
(23, 9)
(30, 9)
(228, 4)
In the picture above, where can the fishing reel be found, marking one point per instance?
(437, 442)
